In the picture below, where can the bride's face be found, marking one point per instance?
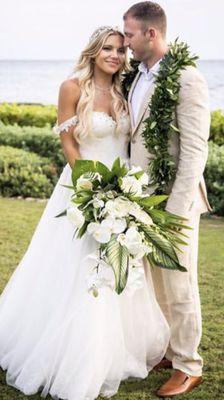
(111, 57)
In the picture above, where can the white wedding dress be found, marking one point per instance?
(55, 336)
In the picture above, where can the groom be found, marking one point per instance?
(177, 292)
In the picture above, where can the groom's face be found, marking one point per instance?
(136, 39)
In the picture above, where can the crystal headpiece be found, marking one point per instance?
(101, 30)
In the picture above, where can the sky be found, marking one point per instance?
(59, 29)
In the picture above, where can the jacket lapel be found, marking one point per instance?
(144, 105)
(130, 97)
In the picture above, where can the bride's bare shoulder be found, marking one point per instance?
(70, 89)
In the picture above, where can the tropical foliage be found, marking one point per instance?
(127, 224)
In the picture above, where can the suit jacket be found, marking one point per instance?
(189, 147)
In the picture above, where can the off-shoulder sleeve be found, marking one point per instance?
(64, 127)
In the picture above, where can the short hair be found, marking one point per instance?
(148, 12)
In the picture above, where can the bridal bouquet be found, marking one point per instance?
(112, 207)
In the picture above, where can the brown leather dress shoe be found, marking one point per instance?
(163, 364)
(179, 383)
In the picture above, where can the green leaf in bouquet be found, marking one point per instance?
(83, 196)
(82, 230)
(159, 259)
(118, 169)
(138, 174)
(149, 201)
(86, 166)
(174, 238)
(158, 216)
(163, 247)
(68, 186)
(88, 214)
(118, 259)
(81, 167)
(61, 214)
(104, 171)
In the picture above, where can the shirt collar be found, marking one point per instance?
(149, 73)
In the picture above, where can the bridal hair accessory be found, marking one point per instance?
(101, 30)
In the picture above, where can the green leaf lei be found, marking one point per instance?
(158, 127)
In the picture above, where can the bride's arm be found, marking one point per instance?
(69, 95)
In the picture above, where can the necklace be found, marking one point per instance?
(103, 89)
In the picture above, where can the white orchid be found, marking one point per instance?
(75, 216)
(117, 225)
(98, 278)
(117, 208)
(132, 240)
(101, 233)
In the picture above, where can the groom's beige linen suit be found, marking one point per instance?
(177, 292)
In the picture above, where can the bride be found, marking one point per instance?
(55, 336)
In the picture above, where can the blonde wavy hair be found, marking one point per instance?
(84, 71)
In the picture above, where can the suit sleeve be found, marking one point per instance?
(193, 121)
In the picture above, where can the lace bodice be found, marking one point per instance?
(105, 144)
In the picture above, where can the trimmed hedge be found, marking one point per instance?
(38, 140)
(214, 176)
(26, 115)
(41, 115)
(25, 174)
(217, 127)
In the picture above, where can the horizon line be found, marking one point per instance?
(72, 59)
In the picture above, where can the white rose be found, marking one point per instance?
(117, 207)
(83, 184)
(75, 216)
(130, 184)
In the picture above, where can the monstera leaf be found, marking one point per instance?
(87, 166)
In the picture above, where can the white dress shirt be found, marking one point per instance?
(142, 86)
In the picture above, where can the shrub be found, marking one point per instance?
(26, 115)
(38, 140)
(217, 127)
(25, 174)
(214, 176)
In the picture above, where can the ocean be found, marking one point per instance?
(37, 81)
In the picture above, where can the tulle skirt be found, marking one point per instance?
(55, 336)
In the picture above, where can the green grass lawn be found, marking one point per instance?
(18, 219)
